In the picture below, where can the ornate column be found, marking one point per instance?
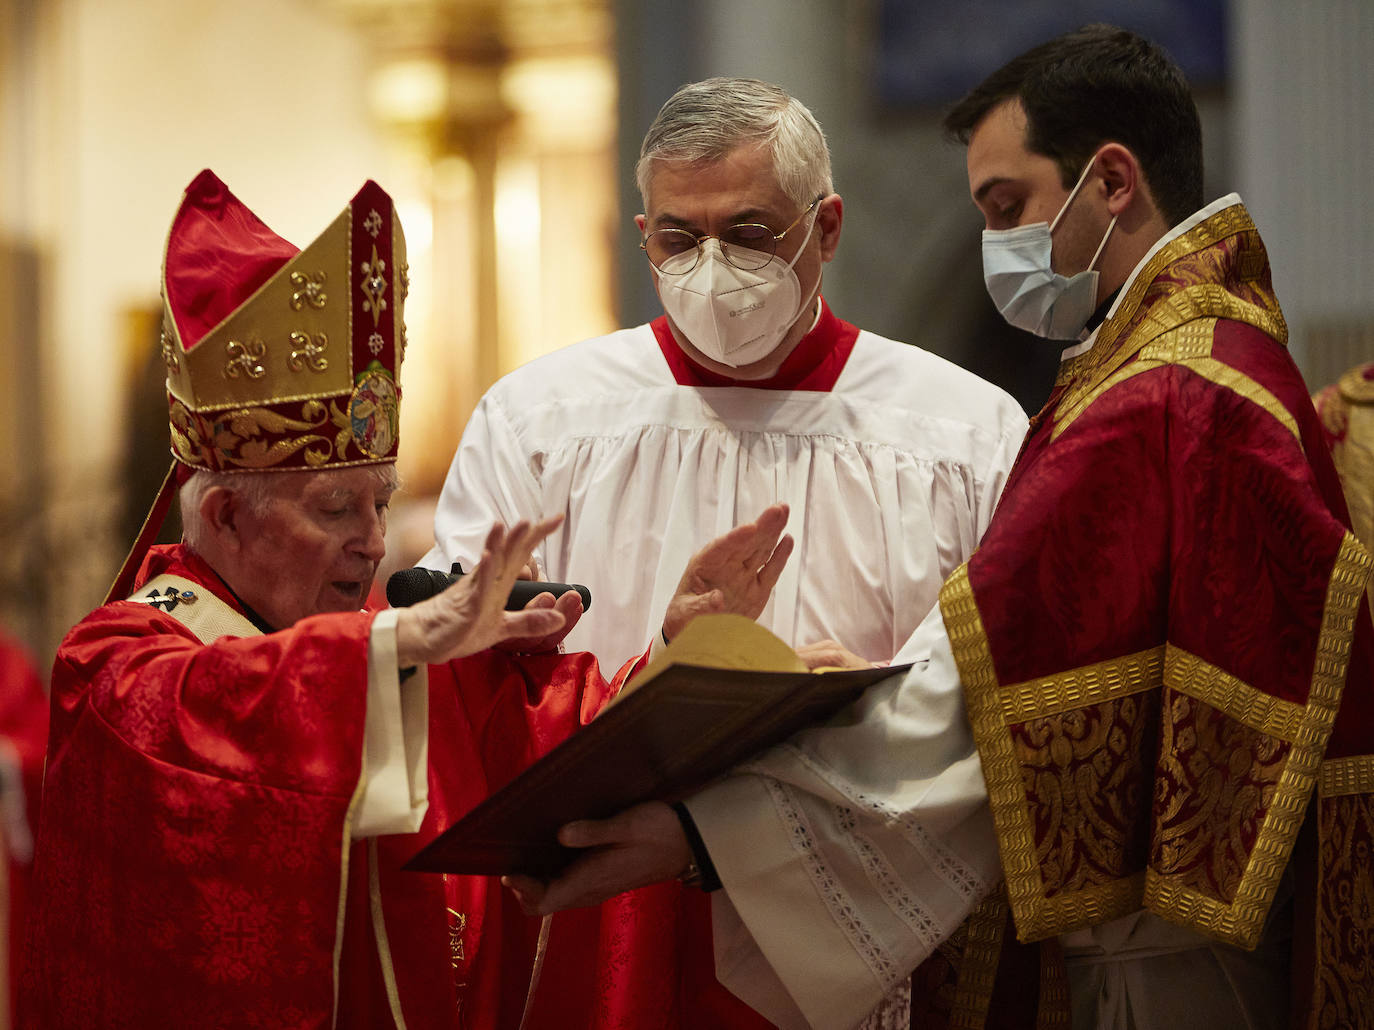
(503, 112)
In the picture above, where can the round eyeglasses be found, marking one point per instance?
(748, 246)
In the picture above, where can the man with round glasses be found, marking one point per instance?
(748, 391)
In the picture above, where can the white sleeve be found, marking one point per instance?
(993, 477)
(850, 852)
(395, 794)
(490, 480)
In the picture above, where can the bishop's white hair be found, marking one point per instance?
(255, 489)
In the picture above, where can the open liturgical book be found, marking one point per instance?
(722, 691)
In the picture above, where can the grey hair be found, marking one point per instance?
(706, 120)
(255, 489)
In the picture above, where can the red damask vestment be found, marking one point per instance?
(24, 728)
(1169, 672)
(194, 864)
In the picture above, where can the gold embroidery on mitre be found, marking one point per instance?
(245, 438)
(169, 350)
(308, 363)
(309, 290)
(245, 357)
(307, 352)
(371, 421)
(374, 285)
(270, 318)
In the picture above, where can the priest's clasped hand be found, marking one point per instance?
(642, 845)
(471, 616)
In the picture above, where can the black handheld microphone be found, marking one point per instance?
(408, 586)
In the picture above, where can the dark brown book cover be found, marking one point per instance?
(678, 727)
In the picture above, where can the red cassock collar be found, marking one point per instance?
(814, 364)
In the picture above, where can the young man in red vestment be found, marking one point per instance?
(240, 759)
(1159, 655)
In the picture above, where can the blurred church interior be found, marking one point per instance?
(507, 131)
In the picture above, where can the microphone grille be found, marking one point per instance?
(408, 586)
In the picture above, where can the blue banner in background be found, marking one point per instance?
(931, 54)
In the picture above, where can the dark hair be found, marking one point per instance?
(1097, 85)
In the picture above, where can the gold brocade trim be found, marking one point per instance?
(1231, 221)
(1035, 915)
(1088, 684)
(978, 967)
(1264, 713)
(1190, 340)
(1224, 375)
(374, 897)
(1187, 346)
(1074, 910)
(1088, 375)
(1067, 417)
(1054, 1011)
(1238, 923)
(1307, 727)
(1001, 770)
(1352, 775)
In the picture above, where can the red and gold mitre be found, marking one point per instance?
(279, 358)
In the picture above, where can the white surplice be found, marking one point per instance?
(850, 852)
(891, 475)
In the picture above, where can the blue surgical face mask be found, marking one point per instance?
(1027, 290)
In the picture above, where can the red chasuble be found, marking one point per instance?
(1169, 672)
(194, 863)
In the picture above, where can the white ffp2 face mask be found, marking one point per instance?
(732, 315)
(1027, 290)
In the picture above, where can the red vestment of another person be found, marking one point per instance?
(195, 864)
(24, 728)
(1169, 670)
